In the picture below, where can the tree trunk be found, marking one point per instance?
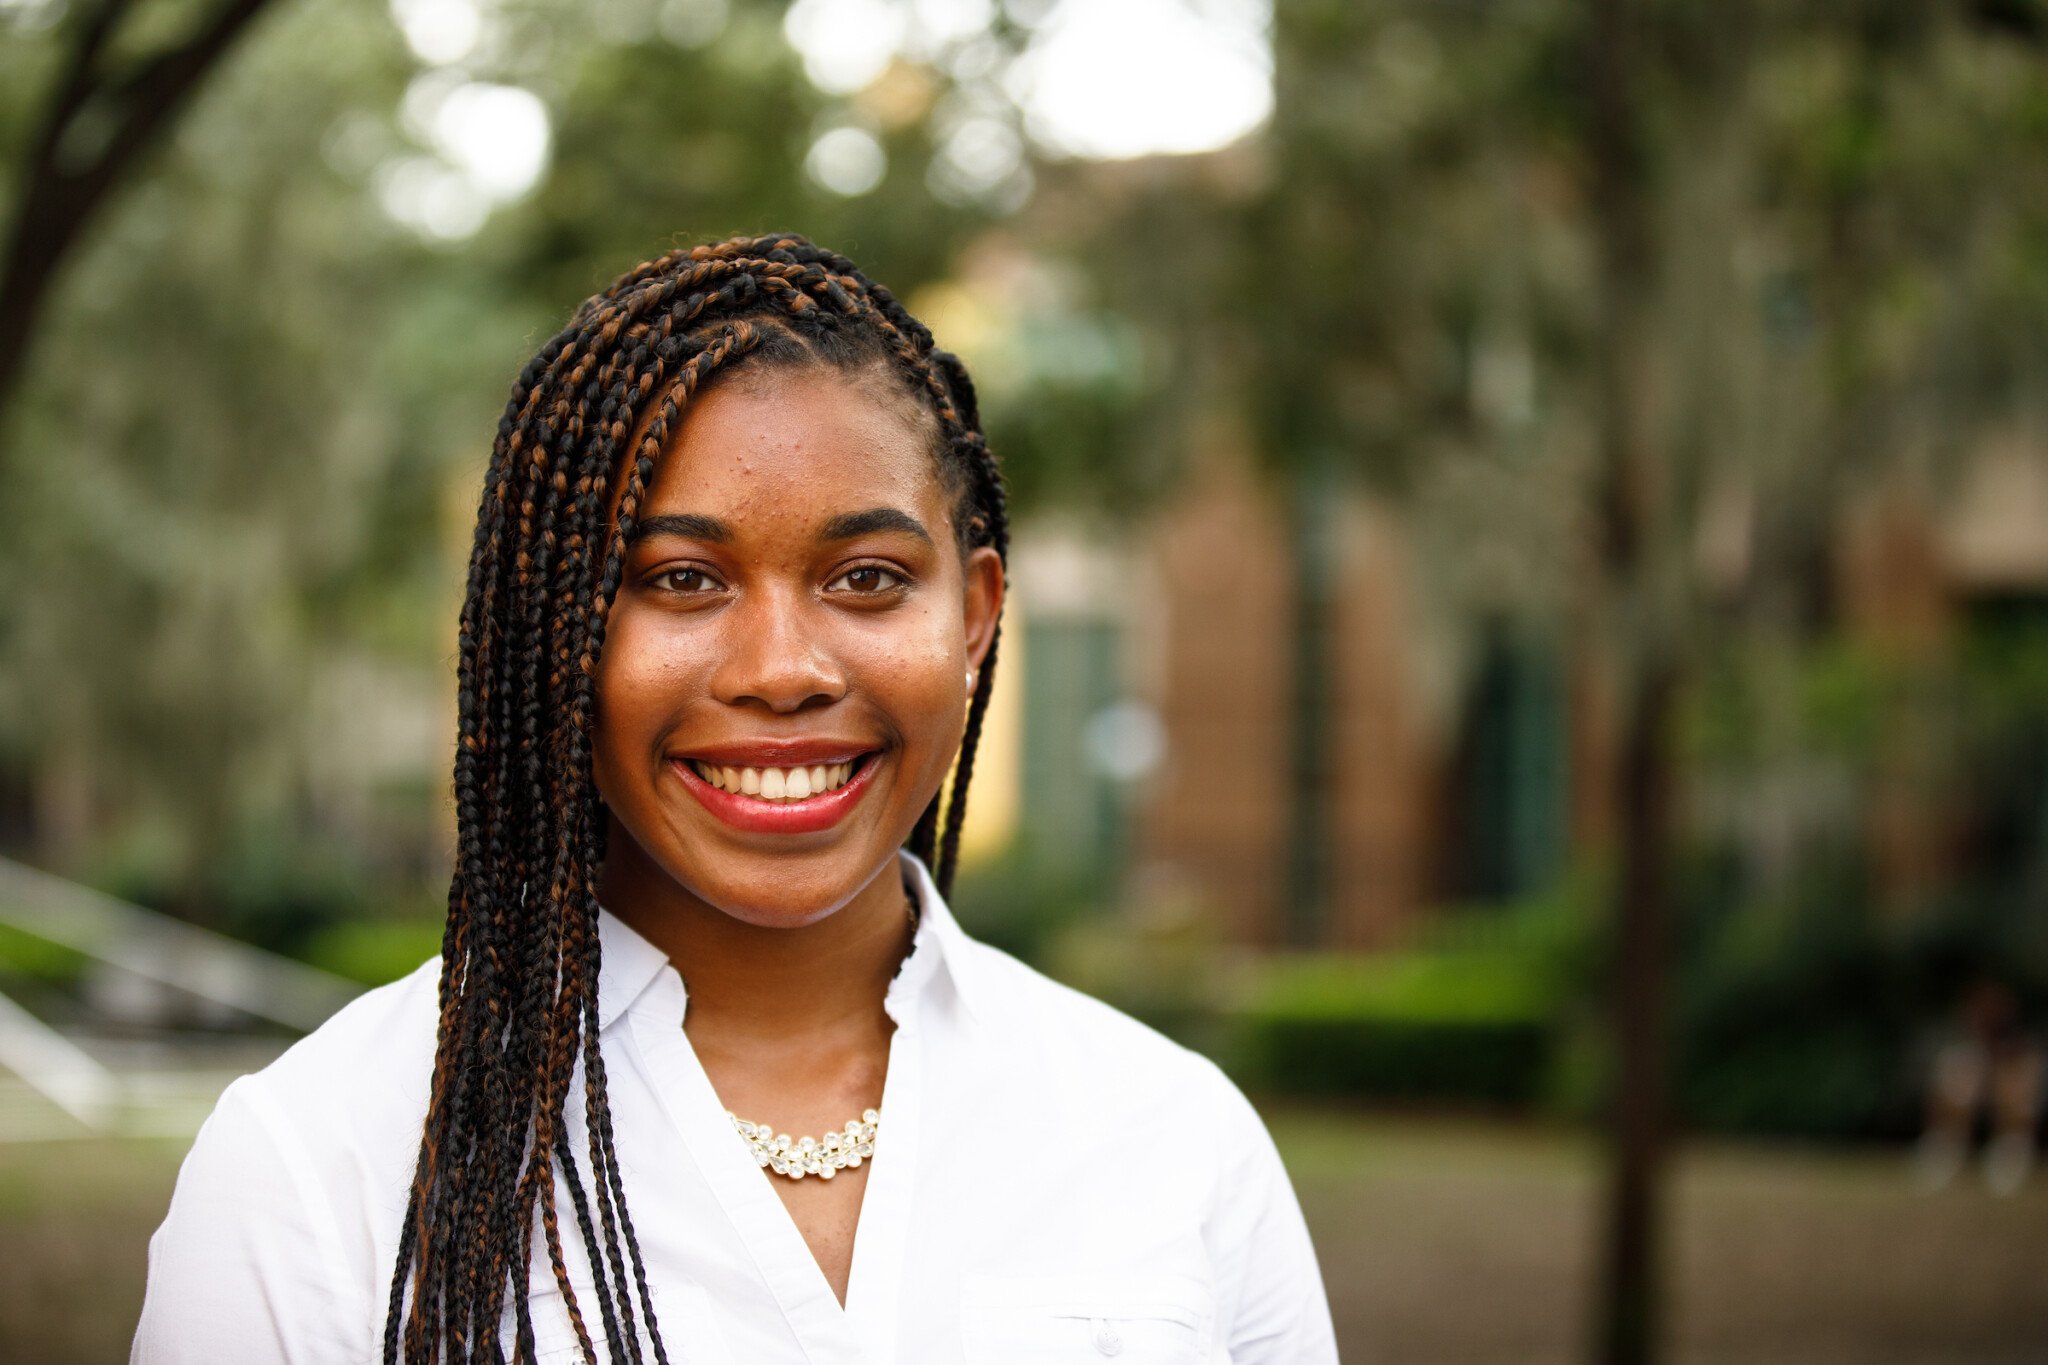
(1311, 734)
(1625, 602)
(1632, 1259)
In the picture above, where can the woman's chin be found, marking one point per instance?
(770, 880)
(779, 892)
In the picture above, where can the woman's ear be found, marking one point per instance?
(982, 602)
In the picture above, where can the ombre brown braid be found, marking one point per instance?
(518, 996)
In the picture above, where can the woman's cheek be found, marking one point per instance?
(640, 678)
(916, 671)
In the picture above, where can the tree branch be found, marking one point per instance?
(55, 202)
(154, 93)
(75, 88)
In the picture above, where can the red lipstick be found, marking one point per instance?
(751, 813)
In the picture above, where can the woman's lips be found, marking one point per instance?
(805, 815)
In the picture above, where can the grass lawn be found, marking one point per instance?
(1441, 1242)
(1472, 1243)
(75, 1219)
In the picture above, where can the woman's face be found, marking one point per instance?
(793, 602)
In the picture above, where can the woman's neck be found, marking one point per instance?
(767, 985)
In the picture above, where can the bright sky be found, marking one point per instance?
(1097, 78)
(1120, 78)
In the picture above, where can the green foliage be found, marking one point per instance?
(1467, 1027)
(659, 146)
(1760, 701)
(199, 442)
(1797, 1016)
(1805, 1015)
(1424, 988)
(1816, 1076)
(38, 959)
(1472, 1013)
(1805, 1001)
(270, 881)
(1798, 1021)
(2003, 667)
(1023, 904)
(1066, 404)
(375, 951)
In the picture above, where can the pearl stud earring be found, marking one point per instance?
(973, 675)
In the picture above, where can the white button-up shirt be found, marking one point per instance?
(1053, 1181)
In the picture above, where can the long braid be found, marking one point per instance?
(518, 1007)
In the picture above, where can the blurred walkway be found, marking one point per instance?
(164, 1088)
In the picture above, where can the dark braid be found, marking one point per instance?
(520, 956)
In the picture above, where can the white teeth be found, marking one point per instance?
(777, 784)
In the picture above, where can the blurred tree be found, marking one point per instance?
(1339, 281)
(1667, 258)
(91, 132)
(193, 462)
(1633, 612)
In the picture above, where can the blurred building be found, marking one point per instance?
(1461, 774)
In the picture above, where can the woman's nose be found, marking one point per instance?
(776, 657)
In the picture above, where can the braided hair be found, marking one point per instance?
(518, 992)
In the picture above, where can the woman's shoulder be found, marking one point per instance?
(285, 1208)
(353, 1092)
(1097, 1048)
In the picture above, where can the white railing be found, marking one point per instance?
(211, 966)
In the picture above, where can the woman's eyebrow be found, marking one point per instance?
(847, 525)
(689, 524)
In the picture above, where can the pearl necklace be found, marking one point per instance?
(835, 1152)
(823, 1158)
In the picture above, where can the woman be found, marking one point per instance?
(711, 1073)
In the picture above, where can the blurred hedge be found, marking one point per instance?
(1803, 1016)
(375, 951)
(1427, 1026)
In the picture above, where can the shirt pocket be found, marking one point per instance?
(1131, 1319)
(689, 1329)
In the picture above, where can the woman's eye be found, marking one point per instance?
(685, 580)
(869, 578)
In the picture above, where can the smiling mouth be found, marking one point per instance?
(780, 800)
(778, 785)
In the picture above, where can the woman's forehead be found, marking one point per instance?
(795, 445)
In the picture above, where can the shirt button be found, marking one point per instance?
(1108, 1342)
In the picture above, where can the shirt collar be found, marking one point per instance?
(630, 965)
(941, 948)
